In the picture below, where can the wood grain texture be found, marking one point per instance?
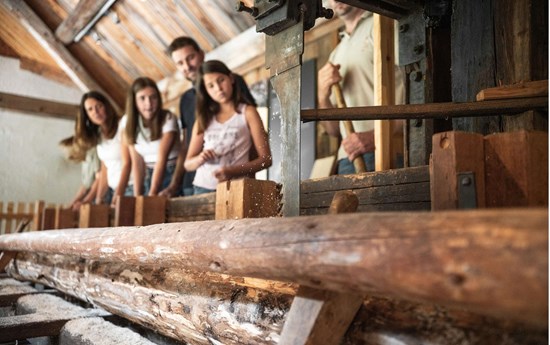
(150, 210)
(247, 198)
(93, 216)
(537, 88)
(516, 165)
(469, 259)
(80, 16)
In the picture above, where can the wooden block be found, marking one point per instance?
(319, 316)
(125, 211)
(150, 210)
(537, 88)
(516, 169)
(65, 218)
(48, 218)
(247, 198)
(455, 152)
(93, 216)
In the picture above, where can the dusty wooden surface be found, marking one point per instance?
(200, 308)
(468, 259)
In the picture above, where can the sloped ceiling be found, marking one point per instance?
(128, 41)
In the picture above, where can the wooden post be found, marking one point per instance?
(9, 217)
(384, 86)
(247, 198)
(125, 211)
(150, 210)
(455, 152)
(65, 218)
(93, 216)
(37, 215)
(319, 316)
(516, 169)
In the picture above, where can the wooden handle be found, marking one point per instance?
(358, 162)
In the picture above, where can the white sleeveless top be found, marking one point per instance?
(109, 152)
(149, 149)
(231, 141)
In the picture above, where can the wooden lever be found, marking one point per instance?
(358, 162)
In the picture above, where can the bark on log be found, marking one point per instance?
(199, 308)
(494, 262)
(379, 320)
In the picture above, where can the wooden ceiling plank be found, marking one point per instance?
(79, 18)
(45, 37)
(45, 70)
(210, 29)
(38, 106)
(242, 19)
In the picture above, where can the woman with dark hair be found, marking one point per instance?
(153, 138)
(98, 126)
(227, 127)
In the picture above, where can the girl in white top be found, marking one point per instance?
(98, 126)
(225, 129)
(153, 138)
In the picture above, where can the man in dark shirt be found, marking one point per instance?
(188, 57)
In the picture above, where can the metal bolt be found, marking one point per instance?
(466, 181)
(418, 49)
(403, 27)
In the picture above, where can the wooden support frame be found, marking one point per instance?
(38, 106)
(150, 210)
(93, 216)
(45, 37)
(485, 276)
(77, 20)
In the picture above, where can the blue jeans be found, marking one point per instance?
(108, 198)
(167, 178)
(345, 166)
(200, 190)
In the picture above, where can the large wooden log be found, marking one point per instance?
(196, 307)
(494, 262)
(379, 320)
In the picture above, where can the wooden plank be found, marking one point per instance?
(44, 36)
(48, 219)
(65, 218)
(52, 72)
(444, 110)
(125, 209)
(320, 316)
(40, 324)
(384, 86)
(150, 210)
(37, 215)
(77, 20)
(9, 218)
(93, 216)
(537, 88)
(38, 106)
(195, 207)
(516, 169)
(247, 198)
(456, 152)
(472, 259)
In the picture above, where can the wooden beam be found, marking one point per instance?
(55, 312)
(320, 316)
(427, 111)
(77, 20)
(384, 86)
(38, 106)
(44, 36)
(537, 88)
(469, 259)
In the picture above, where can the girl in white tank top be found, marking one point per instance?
(225, 130)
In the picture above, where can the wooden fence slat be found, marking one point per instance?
(37, 215)
(9, 217)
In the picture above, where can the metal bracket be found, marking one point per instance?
(467, 196)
